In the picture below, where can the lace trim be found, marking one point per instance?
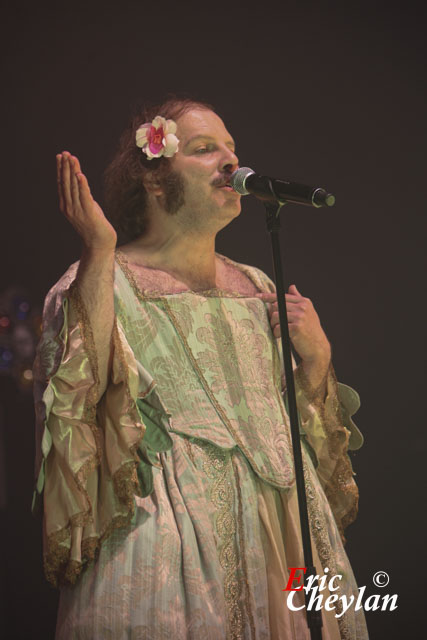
(256, 276)
(313, 394)
(59, 569)
(214, 292)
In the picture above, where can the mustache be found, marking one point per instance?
(222, 180)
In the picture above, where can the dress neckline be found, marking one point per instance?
(213, 292)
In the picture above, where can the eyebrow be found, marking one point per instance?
(230, 143)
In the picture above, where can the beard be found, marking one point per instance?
(173, 192)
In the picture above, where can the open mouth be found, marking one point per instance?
(224, 185)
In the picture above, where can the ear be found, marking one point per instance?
(152, 184)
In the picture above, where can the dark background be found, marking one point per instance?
(331, 94)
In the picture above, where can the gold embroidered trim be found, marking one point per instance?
(243, 550)
(319, 530)
(217, 467)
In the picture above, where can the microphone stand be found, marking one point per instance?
(273, 206)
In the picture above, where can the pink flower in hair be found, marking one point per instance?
(158, 138)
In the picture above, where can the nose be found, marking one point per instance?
(229, 161)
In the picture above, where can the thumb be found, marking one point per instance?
(293, 290)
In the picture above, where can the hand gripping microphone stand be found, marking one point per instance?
(273, 203)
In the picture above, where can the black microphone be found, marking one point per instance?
(246, 181)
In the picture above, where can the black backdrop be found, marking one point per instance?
(326, 93)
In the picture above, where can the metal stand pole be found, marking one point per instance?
(314, 618)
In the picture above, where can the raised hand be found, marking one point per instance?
(305, 330)
(79, 207)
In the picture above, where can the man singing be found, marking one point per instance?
(163, 450)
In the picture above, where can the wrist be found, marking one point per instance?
(99, 252)
(95, 263)
(321, 357)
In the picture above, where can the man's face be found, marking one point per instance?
(204, 162)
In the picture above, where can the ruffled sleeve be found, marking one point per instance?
(91, 457)
(329, 432)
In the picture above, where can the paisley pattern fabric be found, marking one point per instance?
(170, 506)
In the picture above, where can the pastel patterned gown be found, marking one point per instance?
(170, 506)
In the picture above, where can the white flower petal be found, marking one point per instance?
(159, 121)
(171, 145)
(141, 141)
(170, 126)
(144, 127)
(141, 135)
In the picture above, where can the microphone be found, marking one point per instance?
(246, 181)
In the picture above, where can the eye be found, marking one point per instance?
(204, 149)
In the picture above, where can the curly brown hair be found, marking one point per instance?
(124, 192)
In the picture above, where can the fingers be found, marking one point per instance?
(303, 322)
(292, 303)
(293, 295)
(74, 185)
(266, 297)
(84, 191)
(293, 315)
(293, 290)
(297, 308)
(59, 181)
(67, 168)
(76, 164)
(65, 180)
